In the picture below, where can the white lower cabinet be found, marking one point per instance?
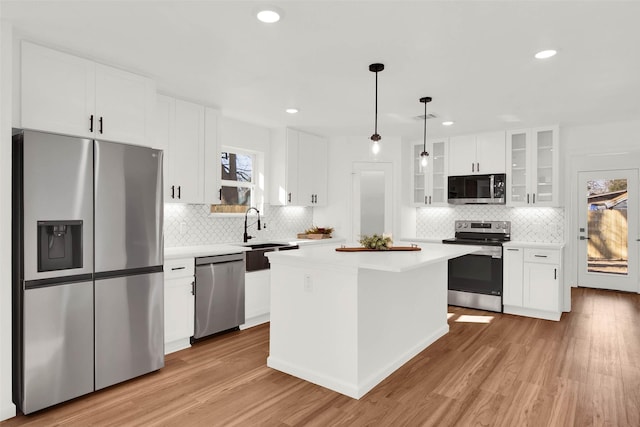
(179, 303)
(257, 298)
(532, 281)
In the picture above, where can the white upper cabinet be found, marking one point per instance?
(66, 94)
(212, 151)
(180, 129)
(477, 154)
(430, 182)
(533, 160)
(298, 169)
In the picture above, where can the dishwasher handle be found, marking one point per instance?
(219, 259)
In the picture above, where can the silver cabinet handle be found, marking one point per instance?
(585, 238)
(289, 197)
(534, 198)
(177, 268)
(514, 250)
(540, 256)
(527, 198)
(425, 200)
(477, 167)
(473, 167)
(555, 273)
(429, 199)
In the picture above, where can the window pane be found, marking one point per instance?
(240, 196)
(237, 167)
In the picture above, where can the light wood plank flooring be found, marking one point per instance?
(513, 371)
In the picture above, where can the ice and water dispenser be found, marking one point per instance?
(59, 245)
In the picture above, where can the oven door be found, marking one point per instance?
(480, 272)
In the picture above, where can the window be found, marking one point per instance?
(239, 190)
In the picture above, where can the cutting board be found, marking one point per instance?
(393, 248)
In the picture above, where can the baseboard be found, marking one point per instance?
(356, 391)
(176, 345)
(530, 312)
(255, 321)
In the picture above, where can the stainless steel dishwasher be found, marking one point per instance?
(219, 294)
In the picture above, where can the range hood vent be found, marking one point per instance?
(421, 117)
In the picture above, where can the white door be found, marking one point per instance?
(608, 229)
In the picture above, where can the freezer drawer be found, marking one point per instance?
(57, 344)
(219, 294)
(129, 327)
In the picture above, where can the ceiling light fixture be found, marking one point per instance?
(544, 54)
(447, 123)
(424, 156)
(375, 147)
(291, 110)
(268, 16)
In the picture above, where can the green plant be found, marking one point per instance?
(376, 242)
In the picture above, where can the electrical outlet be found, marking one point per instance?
(308, 285)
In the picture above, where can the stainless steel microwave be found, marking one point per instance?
(477, 189)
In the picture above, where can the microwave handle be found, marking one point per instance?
(492, 192)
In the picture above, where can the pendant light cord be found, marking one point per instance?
(375, 132)
(424, 146)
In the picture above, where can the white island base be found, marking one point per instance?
(347, 325)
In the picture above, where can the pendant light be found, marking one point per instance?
(375, 147)
(424, 156)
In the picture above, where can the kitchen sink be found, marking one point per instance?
(255, 259)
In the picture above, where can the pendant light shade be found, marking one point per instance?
(424, 156)
(375, 148)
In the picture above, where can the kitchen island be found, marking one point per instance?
(346, 321)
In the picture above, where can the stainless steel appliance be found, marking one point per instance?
(87, 266)
(219, 293)
(475, 280)
(477, 189)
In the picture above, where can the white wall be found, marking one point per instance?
(343, 152)
(7, 409)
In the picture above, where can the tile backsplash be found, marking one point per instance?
(527, 224)
(189, 225)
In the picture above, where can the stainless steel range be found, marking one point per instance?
(475, 280)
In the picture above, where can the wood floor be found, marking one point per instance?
(513, 371)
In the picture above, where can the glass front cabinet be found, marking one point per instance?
(532, 167)
(430, 181)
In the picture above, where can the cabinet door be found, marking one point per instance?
(513, 277)
(320, 171)
(490, 153)
(187, 153)
(437, 178)
(541, 286)
(307, 151)
(123, 103)
(178, 309)
(58, 92)
(164, 131)
(419, 174)
(518, 155)
(212, 165)
(462, 155)
(544, 170)
(292, 196)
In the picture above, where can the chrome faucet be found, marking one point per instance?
(246, 236)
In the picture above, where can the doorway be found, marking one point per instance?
(608, 229)
(372, 199)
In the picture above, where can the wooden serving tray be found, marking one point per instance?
(393, 248)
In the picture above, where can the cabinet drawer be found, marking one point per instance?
(544, 256)
(174, 268)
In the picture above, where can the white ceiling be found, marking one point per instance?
(475, 58)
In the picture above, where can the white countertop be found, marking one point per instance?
(534, 245)
(233, 248)
(379, 260)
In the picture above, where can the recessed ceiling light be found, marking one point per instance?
(291, 110)
(268, 16)
(544, 54)
(447, 123)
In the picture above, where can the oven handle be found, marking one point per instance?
(492, 251)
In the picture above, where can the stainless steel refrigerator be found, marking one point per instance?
(87, 266)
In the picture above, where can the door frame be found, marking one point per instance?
(628, 282)
(629, 159)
